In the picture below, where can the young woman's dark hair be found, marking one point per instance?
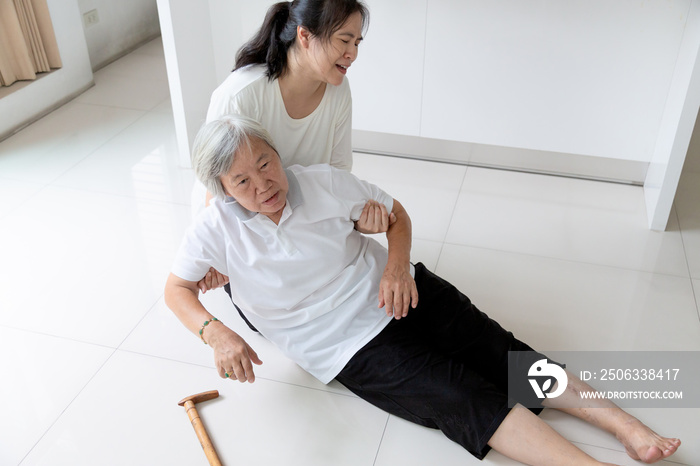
(279, 30)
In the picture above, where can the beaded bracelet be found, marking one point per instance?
(201, 330)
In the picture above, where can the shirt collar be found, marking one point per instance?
(294, 199)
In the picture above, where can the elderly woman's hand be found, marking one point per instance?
(234, 357)
(374, 218)
(212, 280)
(397, 290)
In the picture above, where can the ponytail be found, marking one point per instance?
(271, 44)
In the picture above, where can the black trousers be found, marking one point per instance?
(443, 366)
(227, 287)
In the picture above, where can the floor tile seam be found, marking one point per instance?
(99, 146)
(68, 405)
(210, 367)
(603, 447)
(57, 184)
(695, 295)
(131, 77)
(61, 337)
(452, 215)
(571, 261)
(20, 180)
(381, 439)
(118, 107)
(150, 308)
(25, 200)
(687, 262)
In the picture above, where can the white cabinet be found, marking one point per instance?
(387, 77)
(587, 77)
(581, 78)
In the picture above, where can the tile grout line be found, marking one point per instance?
(97, 371)
(381, 440)
(60, 337)
(267, 379)
(687, 263)
(663, 461)
(98, 147)
(150, 309)
(454, 208)
(70, 403)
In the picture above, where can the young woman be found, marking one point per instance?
(290, 77)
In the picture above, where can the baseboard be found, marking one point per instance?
(509, 158)
(44, 111)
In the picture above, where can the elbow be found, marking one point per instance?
(170, 292)
(168, 296)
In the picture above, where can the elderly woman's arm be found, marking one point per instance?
(397, 289)
(232, 354)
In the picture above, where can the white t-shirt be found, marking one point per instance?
(324, 136)
(310, 284)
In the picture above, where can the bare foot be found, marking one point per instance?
(643, 444)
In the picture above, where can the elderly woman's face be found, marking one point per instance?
(257, 180)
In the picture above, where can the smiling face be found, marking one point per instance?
(257, 180)
(331, 60)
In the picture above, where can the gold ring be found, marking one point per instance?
(226, 374)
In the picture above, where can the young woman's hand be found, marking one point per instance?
(212, 280)
(374, 218)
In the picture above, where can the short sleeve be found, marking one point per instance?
(356, 192)
(341, 156)
(202, 247)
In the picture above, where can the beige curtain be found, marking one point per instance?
(27, 40)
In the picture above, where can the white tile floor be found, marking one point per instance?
(92, 209)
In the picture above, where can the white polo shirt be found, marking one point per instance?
(310, 284)
(323, 136)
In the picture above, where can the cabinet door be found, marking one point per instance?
(587, 77)
(387, 77)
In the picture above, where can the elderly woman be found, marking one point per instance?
(315, 287)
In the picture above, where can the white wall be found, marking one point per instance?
(585, 81)
(387, 79)
(676, 128)
(585, 77)
(189, 59)
(52, 90)
(122, 26)
(232, 24)
(200, 41)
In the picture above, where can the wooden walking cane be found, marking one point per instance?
(189, 404)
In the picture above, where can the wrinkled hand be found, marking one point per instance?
(397, 290)
(212, 280)
(374, 218)
(232, 355)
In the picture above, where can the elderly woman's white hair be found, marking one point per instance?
(216, 145)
